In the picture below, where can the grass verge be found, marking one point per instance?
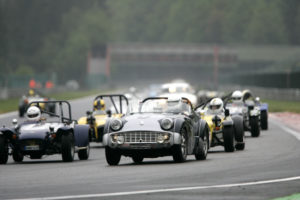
(11, 104)
(283, 106)
(292, 197)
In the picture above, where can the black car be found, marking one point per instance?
(161, 126)
(56, 135)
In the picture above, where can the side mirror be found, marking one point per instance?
(108, 112)
(88, 112)
(14, 122)
(227, 113)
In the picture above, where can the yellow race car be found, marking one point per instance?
(104, 107)
(225, 130)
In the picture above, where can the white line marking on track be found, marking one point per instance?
(165, 190)
(286, 129)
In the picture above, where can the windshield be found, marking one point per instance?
(162, 106)
(176, 89)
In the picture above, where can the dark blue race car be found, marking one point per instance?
(56, 135)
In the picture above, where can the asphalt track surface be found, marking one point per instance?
(269, 167)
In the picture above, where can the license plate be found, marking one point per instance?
(32, 148)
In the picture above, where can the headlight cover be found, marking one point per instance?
(116, 124)
(166, 124)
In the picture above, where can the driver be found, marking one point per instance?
(216, 106)
(99, 106)
(33, 114)
(31, 93)
(237, 97)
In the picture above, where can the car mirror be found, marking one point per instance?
(14, 121)
(88, 112)
(227, 112)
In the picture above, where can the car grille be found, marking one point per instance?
(141, 137)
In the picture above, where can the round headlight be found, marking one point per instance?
(116, 124)
(166, 124)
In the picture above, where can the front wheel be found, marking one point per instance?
(112, 156)
(202, 150)
(255, 129)
(84, 153)
(264, 120)
(180, 151)
(3, 151)
(239, 132)
(228, 136)
(67, 147)
(17, 156)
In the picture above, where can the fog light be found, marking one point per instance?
(160, 139)
(166, 136)
(120, 139)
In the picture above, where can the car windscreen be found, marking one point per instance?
(164, 106)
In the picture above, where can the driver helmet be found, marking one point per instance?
(237, 96)
(99, 104)
(33, 113)
(31, 92)
(216, 106)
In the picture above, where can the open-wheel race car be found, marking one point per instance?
(104, 107)
(243, 104)
(34, 95)
(263, 107)
(159, 127)
(39, 136)
(226, 130)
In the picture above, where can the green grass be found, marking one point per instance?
(292, 197)
(12, 103)
(283, 106)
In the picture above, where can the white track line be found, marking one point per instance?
(286, 129)
(165, 190)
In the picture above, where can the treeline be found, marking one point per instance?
(55, 35)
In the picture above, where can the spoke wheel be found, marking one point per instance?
(180, 151)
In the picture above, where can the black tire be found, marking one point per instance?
(112, 156)
(17, 156)
(228, 136)
(137, 159)
(202, 149)
(84, 153)
(254, 125)
(239, 132)
(21, 112)
(240, 146)
(180, 150)
(3, 150)
(67, 147)
(264, 120)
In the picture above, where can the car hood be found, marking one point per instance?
(144, 122)
(36, 131)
